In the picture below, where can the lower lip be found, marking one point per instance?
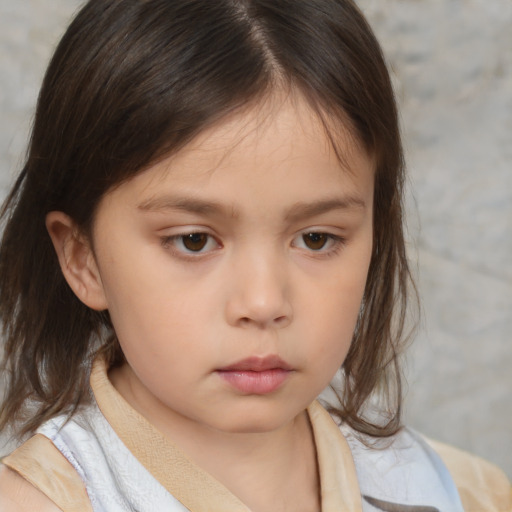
(255, 383)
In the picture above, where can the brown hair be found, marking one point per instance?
(135, 80)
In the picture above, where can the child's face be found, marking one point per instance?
(248, 250)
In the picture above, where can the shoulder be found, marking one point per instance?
(37, 472)
(481, 485)
(408, 467)
(18, 495)
(402, 470)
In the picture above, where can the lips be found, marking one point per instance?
(256, 375)
(258, 364)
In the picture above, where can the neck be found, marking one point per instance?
(264, 470)
(268, 471)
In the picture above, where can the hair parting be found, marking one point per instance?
(133, 81)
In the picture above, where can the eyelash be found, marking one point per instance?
(334, 242)
(333, 246)
(170, 242)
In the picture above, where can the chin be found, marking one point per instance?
(257, 420)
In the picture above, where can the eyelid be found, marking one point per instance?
(334, 244)
(174, 243)
(170, 242)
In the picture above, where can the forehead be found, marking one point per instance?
(279, 147)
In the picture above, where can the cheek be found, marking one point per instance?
(160, 321)
(142, 290)
(333, 328)
(332, 312)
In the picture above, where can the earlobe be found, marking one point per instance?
(76, 260)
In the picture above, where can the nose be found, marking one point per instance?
(259, 293)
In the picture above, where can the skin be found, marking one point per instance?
(255, 186)
(18, 495)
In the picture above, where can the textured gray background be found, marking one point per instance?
(452, 68)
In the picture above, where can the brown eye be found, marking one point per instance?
(315, 241)
(195, 242)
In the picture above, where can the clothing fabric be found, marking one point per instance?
(40, 463)
(126, 464)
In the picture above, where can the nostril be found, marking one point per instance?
(279, 321)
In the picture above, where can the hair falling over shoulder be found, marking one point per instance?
(131, 82)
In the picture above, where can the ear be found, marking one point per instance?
(76, 260)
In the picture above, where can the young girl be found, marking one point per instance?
(207, 228)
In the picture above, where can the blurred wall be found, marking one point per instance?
(452, 68)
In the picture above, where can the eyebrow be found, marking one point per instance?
(304, 210)
(186, 204)
(296, 212)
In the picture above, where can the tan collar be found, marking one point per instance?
(196, 488)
